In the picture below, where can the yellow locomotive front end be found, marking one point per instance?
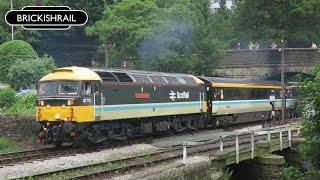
(65, 103)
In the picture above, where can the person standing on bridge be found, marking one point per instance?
(273, 45)
(256, 45)
(313, 45)
(238, 46)
(251, 46)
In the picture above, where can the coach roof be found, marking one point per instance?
(241, 83)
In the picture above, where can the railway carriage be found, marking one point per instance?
(235, 101)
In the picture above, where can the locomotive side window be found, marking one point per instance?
(158, 79)
(123, 77)
(87, 88)
(107, 77)
(95, 88)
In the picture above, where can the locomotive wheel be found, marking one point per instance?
(178, 125)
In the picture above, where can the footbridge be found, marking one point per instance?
(249, 153)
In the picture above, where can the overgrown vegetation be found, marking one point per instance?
(310, 106)
(295, 173)
(7, 145)
(12, 104)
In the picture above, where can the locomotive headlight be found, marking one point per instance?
(57, 116)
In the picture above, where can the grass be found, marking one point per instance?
(8, 145)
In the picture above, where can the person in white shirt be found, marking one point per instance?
(313, 45)
(251, 46)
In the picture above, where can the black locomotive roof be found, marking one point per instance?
(239, 81)
(138, 76)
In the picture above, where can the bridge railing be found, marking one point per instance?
(248, 138)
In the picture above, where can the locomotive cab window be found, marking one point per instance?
(63, 88)
(70, 88)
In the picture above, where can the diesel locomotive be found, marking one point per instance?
(76, 104)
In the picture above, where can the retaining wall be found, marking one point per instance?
(16, 126)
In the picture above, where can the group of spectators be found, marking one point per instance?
(253, 46)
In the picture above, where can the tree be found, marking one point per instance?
(12, 51)
(124, 24)
(263, 21)
(309, 92)
(19, 32)
(25, 74)
(170, 35)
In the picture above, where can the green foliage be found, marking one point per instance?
(227, 174)
(309, 90)
(11, 52)
(293, 172)
(23, 105)
(4, 143)
(25, 74)
(172, 36)
(8, 145)
(124, 24)
(7, 97)
(262, 21)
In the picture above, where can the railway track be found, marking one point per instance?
(108, 168)
(9, 159)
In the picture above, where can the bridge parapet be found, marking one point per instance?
(264, 63)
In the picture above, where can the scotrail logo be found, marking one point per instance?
(179, 95)
(172, 95)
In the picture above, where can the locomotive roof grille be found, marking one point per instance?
(138, 76)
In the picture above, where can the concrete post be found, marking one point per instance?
(280, 136)
(252, 145)
(269, 134)
(221, 144)
(237, 148)
(184, 153)
(289, 135)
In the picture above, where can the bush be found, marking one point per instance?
(291, 172)
(25, 74)
(7, 98)
(4, 143)
(23, 105)
(10, 52)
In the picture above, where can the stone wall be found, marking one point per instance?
(16, 127)
(265, 63)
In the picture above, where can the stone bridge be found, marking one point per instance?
(266, 63)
